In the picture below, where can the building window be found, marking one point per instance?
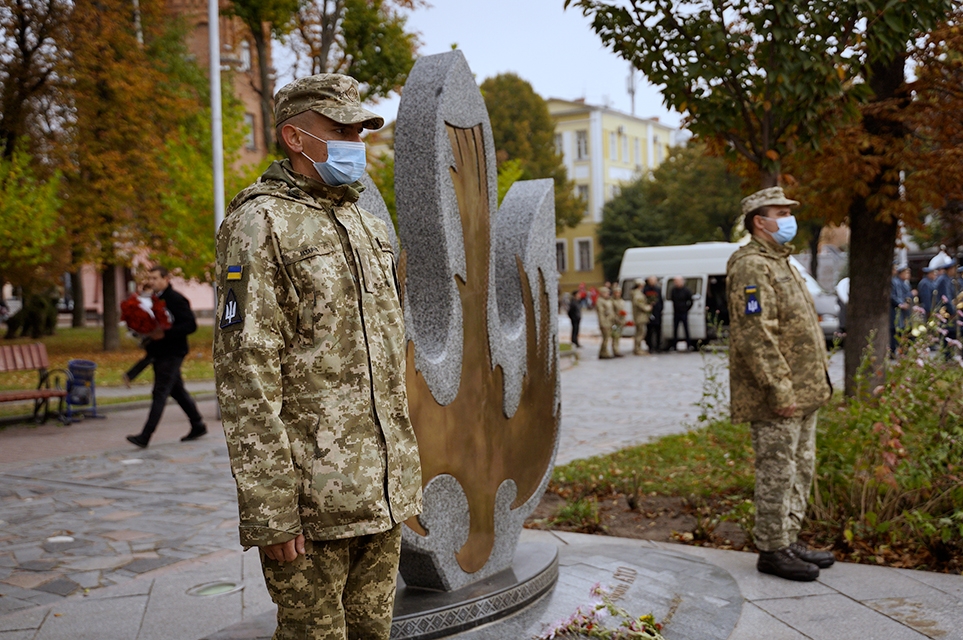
(245, 55)
(559, 145)
(583, 193)
(249, 132)
(560, 256)
(581, 145)
(658, 151)
(625, 148)
(613, 148)
(638, 152)
(583, 254)
(614, 191)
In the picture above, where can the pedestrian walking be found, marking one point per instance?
(575, 314)
(641, 309)
(681, 298)
(168, 348)
(778, 379)
(309, 361)
(619, 304)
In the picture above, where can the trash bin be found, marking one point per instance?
(81, 388)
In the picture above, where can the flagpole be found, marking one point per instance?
(217, 137)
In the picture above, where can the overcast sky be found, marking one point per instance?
(554, 49)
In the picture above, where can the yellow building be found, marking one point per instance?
(602, 149)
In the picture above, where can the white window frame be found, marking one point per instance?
(613, 147)
(559, 146)
(582, 191)
(625, 149)
(250, 123)
(581, 145)
(578, 243)
(245, 55)
(562, 265)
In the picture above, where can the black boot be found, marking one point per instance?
(784, 563)
(139, 440)
(196, 432)
(822, 559)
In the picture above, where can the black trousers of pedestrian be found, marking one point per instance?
(653, 336)
(168, 383)
(575, 325)
(683, 319)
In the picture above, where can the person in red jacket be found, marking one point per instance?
(168, 348)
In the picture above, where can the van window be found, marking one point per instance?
(693, 284)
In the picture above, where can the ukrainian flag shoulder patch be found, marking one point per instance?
(234, 272)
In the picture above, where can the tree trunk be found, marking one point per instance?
(79, 313)
(266, 89)
(111, 308)
(816, 230)
(873, 241)
(867, 317)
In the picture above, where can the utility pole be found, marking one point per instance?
(630, 86)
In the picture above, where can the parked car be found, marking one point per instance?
(827, 304)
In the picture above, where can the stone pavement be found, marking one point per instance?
(101, 540)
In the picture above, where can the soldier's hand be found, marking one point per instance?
(787, 412)
(285, 551)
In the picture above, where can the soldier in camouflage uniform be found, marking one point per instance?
(309, 360)
(778, 379)
(641, 308)
(619, 306)
(605, 307)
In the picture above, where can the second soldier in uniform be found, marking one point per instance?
(778, 379)
(309, 359)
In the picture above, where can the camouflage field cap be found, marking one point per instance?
(771, 197)
(330, 94)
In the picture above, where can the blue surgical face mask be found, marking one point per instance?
(345, 164)
(786, 231)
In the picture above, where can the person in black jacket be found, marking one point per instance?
(653, 334)
(168, 349)
(681, 299)
(575, 314)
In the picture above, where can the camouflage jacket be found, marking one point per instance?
(777, 351)
(641, 307)
(608, 313)
(309, 361)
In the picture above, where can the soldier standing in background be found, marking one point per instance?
(778, 379)
(309, 360)
(653, 292)
(606, 310)
(641, 308)
(619, 306)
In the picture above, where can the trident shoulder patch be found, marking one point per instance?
(231, 313)
(752, 303)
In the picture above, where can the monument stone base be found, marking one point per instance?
(424, 614)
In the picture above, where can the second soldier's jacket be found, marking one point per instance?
(641, 307)
(777, 351)
(608, 314)
(309, 360)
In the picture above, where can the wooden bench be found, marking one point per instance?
(51, 384)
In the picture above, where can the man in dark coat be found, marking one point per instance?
(168, 349)
(681, 303)
(653, 335)
(575, 314)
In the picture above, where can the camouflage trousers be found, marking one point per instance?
(339, 589)
(606, 350)
(641, 327)
(785, 462)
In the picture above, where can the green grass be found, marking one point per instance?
(86, 344)
(715, 460)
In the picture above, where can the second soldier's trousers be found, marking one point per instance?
(641, 328)
(338, 590)
(785, 462)
(606, 349)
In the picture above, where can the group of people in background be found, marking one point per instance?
(646, 307)
(938, 296)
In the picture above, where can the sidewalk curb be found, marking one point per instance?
(27, 419)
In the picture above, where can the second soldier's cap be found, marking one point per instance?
(331, 94)
(771, 197)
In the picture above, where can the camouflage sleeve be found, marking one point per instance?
(754, 313)
(247, 369)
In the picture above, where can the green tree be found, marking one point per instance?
(524, 131)
(691, 197)
(264, 19)
(366, 39)
(382, 173)
(30, 234)
(766, 79)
